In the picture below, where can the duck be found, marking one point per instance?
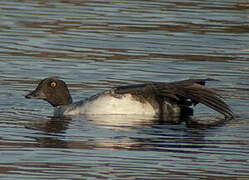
(157, 99)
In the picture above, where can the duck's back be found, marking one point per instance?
(155, 99)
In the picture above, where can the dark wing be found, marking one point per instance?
(192, 89)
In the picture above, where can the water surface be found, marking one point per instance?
(95, 45)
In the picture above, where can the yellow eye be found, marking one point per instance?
(53, 84)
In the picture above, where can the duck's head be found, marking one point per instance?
(52, 90)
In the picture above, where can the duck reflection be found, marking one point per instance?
(122, 132)
(50, 125)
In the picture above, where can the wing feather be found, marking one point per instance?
(181, 91)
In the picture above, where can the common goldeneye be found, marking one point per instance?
(157, 99)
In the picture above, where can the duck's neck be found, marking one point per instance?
(60, 100)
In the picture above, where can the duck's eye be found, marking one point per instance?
(53, 84)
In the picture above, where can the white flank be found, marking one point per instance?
(108, 104)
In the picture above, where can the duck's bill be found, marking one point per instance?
(35, 95)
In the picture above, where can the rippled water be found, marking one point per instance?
(94, 45)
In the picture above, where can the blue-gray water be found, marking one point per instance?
(94, 45)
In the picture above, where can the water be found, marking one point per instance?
(94, 45)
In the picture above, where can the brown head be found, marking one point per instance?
(52, 90)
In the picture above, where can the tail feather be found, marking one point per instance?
(195, 90)
(208, 97)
